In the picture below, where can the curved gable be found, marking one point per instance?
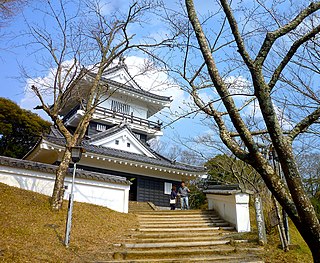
(123, 140)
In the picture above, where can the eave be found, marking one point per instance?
(129, 162)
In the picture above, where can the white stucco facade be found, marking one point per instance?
(112, 195)
(233, 208)
(137, 107)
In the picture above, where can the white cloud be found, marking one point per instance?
(30, 100)
(108, 7)
(146, 75)
(155, 81)
(44, 84)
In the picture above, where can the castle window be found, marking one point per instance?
(167, 188)
(120, 107)
(128, 144)
(117, 142)
(101, 127)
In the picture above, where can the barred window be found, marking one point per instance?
(120, 107)
(101, 127)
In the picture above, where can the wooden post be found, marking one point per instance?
(260, 220)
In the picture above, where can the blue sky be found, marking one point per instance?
(14, 52)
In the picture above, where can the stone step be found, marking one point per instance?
(177, 217)
(235, 258)
(205, 238)
(183, 229)
(177, 212)
(181, 214)
(174, 239)
(183, 251)
(180, 220)
(145, 235)
(177, 244)
(186, 225)
(182, 224)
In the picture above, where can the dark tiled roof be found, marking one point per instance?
(125, 67)
(17, 163)
(111, 152)
(139, 91)
(108, 132)
(55, 132)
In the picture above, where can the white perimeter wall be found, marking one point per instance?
(232, 208)
(111, 195)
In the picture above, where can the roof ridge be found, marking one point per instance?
(109, 131)
(121, 85)
(140, 91)
(122, 65)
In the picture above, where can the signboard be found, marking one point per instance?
(273, 218)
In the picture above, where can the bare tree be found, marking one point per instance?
(81, 47)
(273, 46)
(309, 166)
(9, 8)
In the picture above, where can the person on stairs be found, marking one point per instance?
(183, 192)
(173, 198)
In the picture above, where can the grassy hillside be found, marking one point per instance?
(31, 232)
(299, 251)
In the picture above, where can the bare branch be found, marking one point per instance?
(294, 47)
(235, 31)
(304, 124)
(271, 37)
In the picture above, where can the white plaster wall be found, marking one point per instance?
(243, 215)
(100, 193)
(232, 208)
(123, 141)
(113, 196)
(224, 205)
(139, 110)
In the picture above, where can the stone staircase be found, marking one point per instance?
(185, 236)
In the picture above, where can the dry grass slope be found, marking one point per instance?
(299, 252)
(31, 232)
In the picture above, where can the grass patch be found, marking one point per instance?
(31, 232)
(274, 252)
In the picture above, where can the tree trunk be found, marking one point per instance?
(260, 220)
(58, 190)
(75, 139)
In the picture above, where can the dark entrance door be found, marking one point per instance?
(133, 189)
